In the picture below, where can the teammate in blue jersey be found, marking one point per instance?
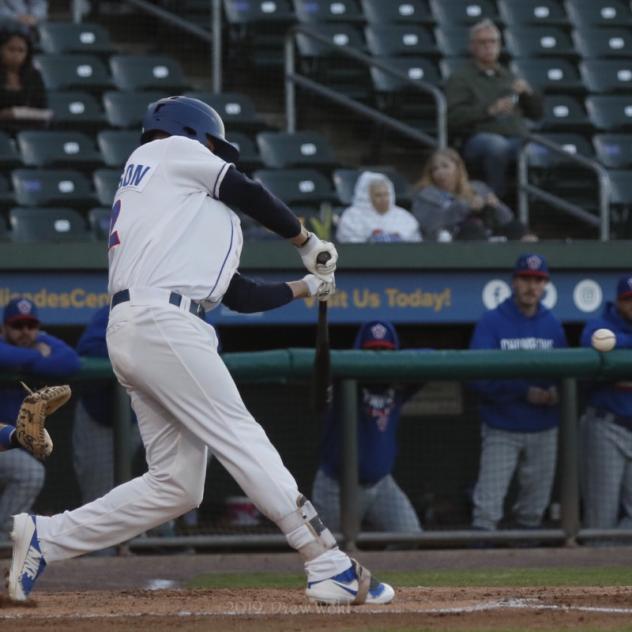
(519, 417)
(382, 503)
(606, 427)
(24, 349)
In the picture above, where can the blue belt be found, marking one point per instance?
(174, 298)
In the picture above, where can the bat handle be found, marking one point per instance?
(323, 257)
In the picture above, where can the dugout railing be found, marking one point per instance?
(351, 367)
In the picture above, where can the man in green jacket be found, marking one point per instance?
(487, 106)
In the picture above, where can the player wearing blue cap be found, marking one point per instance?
(606, 427)
(519, 417)
(24, 348)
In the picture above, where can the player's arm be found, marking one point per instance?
(252, 198)
(246, 295)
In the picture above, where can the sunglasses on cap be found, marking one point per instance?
(21, 325)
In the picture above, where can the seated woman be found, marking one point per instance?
(373, 215)
(450, 206)
(22, 93)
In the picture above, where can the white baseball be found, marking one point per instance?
(603, 340)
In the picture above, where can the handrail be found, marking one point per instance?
(525, 188)
(213, 37)
(291, 78)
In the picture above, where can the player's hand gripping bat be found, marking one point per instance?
(321, 378)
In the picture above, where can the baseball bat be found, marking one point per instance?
(321, 378)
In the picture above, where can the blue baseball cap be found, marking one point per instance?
(531, 265)
(20, 309)
(624, 287)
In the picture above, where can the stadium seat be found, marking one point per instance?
(532, 13)
(147, 72)
(68, 37)
(451, 12)
(328, 11)
(397, 12)
(614, 150)
(324, 64)
(281, 150)
(543, 158)
(603, 42)
(610, 112)
(539, 41)
(599, 13)
(395, 40)
(249, 158)
(257, 30)
(564, 113)
(117, 145)
(453, 41)
(126, 109)
(9, 156)
(58, 149)
(237, 110)
(345, 180)
(297, 186)
(46, 187)
(99, 222)
(621, 191)
(607, 75)
(67, 72)
(76, 110)
(416, 68)
(106, 183)
(4, 231)
(550, 75)
(47, 224)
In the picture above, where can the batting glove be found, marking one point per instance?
(310, 252)
(319, 288)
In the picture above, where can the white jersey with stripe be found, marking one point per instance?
(168, 229)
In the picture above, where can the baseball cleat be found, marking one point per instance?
(354, 586)
(27, 563)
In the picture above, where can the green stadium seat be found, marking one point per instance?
(533, 13)
(453, 41)
(452, 12)
(76, 110)
(543, 158)
(599, 13)
(395, 40)
(281, 150)
(99, 222)
(610, 112)
(237, 110)
(328, 11)
(539, 41)
(106, 183)
(117, 145)
(47, 224)
(607, 75)
(68, 37)
(397, 12)
(306, 187)
(126, 109)
(550, 74)
(68, 72)
(416, 68)
(563, 112)
(148, 72)
(249, 158)
(603, 42)
(58, 149)
(614, 150)
(51, 187)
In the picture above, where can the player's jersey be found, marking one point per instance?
(169, 230)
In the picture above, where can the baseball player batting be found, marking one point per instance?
(174, 250)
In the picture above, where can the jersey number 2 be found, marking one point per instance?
(114, 236)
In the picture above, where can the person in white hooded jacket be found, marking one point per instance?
(373, 215)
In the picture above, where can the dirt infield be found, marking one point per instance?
(111, 593)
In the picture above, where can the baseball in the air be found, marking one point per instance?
(603, 340)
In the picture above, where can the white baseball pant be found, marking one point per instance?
(185, 400)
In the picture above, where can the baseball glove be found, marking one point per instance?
(29, 427)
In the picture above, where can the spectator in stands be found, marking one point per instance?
(24, 348)
(29, 13)
(606, 427)
(520, 417)
(373, 215)
(487, 106)
(449, 206)
(382, 503)
(22, 93)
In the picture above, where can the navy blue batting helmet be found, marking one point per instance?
(185, 116)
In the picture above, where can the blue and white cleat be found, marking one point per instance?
(354, 586)
(27, 563)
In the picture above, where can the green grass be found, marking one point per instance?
(614, 576)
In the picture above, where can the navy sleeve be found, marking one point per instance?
(63, 359)
(252, 198)
(15, 358)
(247, 295)
(92, 341)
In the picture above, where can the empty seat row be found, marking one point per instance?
(554, 12)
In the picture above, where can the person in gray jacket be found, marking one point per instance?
(449, 206)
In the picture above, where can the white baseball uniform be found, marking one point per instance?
(171, 233)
